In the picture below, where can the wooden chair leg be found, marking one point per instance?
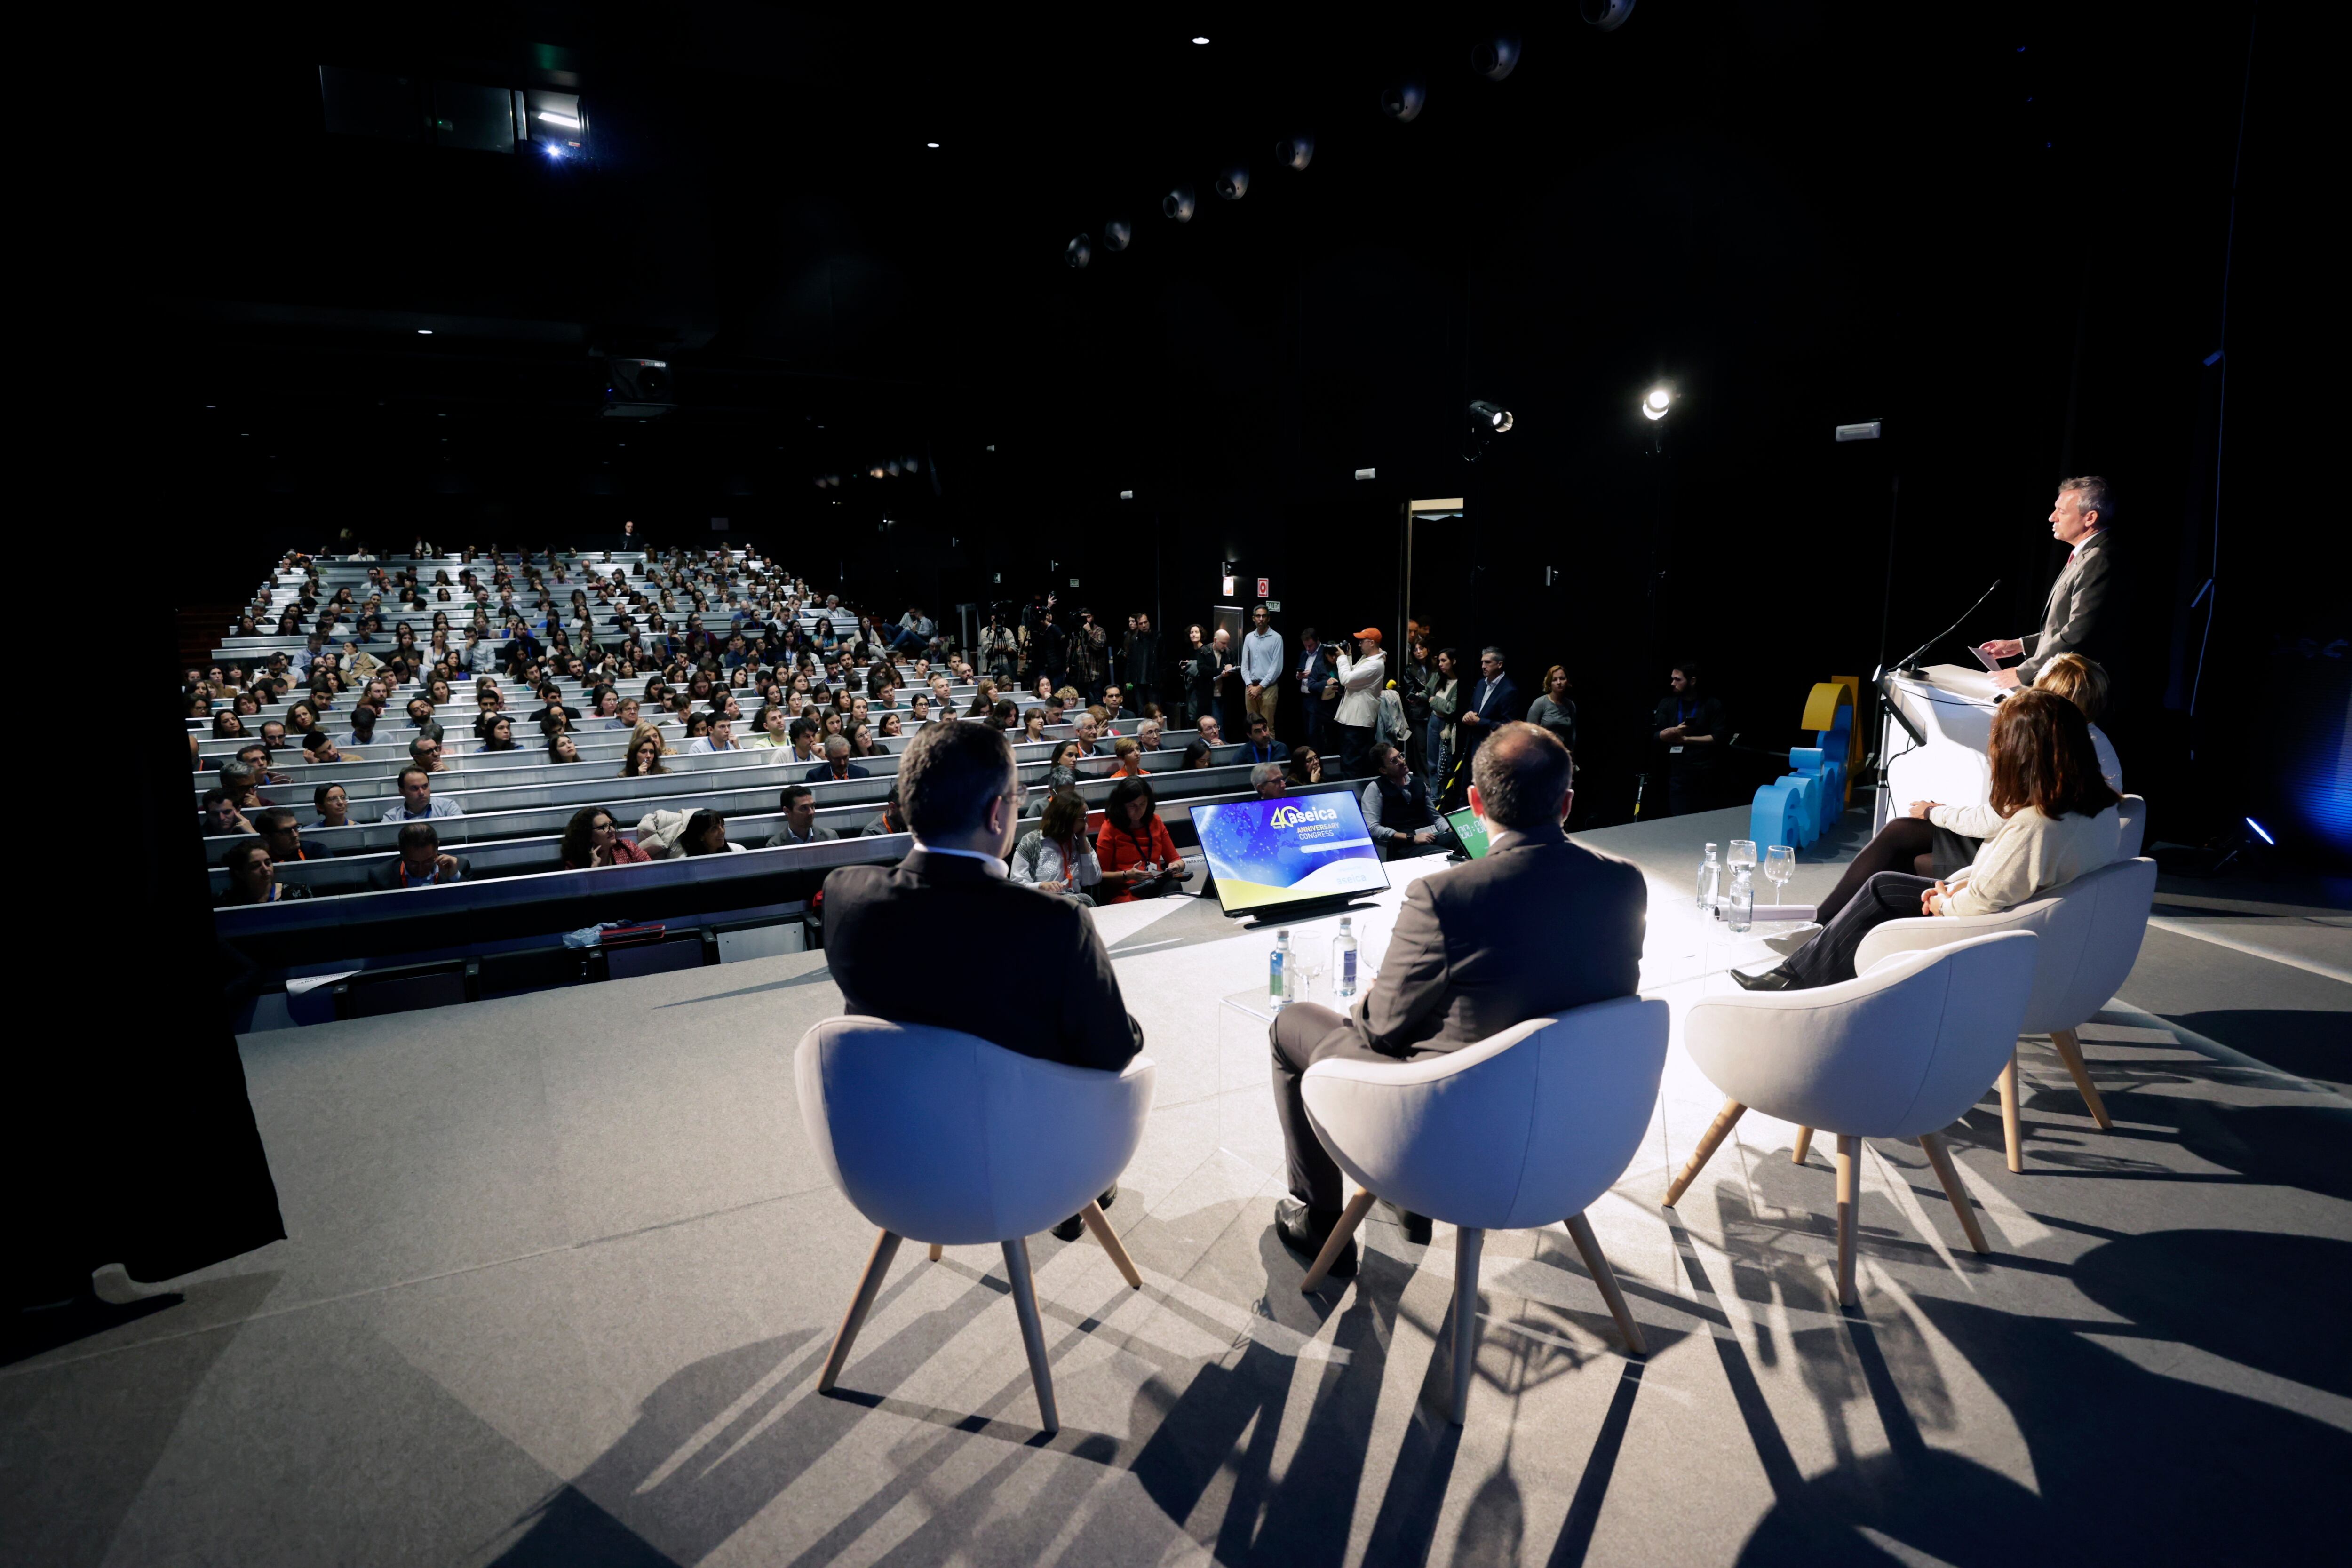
(1099, 1223)
(1717, 1130)
(2009, 1131)
(2070, 1051)
(1587, 1246)
(886, 1248)
(1849, 1176)
(1353, 1215)
(1941, 1157)
(1032, 1330)
(1805, 1146)
(938, 1252)
(1467, 1244)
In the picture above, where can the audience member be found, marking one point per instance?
(1397, 807)
(1269, 781)
(420, 863)
(416, 803)
(1262, 669)
(1360, 679)
(1261, 746)
(253, 877)
(333, 804)
(1054, 857)
(836, 764)
(798, 804)
(1139, 858)
(1690, 728)
(705, 834)
(1538, 926)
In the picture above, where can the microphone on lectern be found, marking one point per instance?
(1909, 665)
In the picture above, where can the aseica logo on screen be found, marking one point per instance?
(1281, 851)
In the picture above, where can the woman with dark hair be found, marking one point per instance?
(334, 804)
(705, 834)
(1306, 767)
(890, 729)
(1032, 725)
(301, 717)
(592, 838)
(2058, 822)
(1055, 855)
(1196, 755)
(1062, 767)
(1138, 859)
(562, 747)
(253, 877)
(227, 725)
(645, 754)
(498, 734)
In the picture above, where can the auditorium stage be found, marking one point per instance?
(562, 1270)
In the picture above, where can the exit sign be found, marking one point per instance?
(1264, 586)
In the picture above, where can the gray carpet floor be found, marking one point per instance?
(562, 1269)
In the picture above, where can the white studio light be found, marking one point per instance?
(1199, 38)
(569, 121)
(1654, 406)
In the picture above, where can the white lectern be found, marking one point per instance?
(1952, 707)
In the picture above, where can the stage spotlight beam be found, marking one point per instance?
(1403, 101)
(1179, 204)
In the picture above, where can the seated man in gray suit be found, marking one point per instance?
(1538, 926)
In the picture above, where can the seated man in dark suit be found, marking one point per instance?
(836, 764)
(962, 799)
(1538, 926)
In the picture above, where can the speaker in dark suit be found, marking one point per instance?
(2085, 611)
(1534, 927)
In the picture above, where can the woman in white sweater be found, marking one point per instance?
(2054, 820)
(1933, 839)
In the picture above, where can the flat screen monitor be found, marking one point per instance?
(1469, 832)
(1267, 856)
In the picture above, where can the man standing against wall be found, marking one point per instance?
(1262, 669)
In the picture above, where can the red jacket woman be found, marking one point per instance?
(1139, 858)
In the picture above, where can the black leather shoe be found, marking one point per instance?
(1069, 1229)
(1414, 1226)
(1776, 979)
(1303, 1231)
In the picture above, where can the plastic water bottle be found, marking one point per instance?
(1343, 961)
(1710, 881)
(1741, 910)
(1277, 982)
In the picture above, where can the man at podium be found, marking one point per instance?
(2084, 608)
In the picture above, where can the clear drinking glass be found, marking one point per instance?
(1743, 853)
(1779, 865)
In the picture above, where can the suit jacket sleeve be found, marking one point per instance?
(1400, 1010)
(2085, 603)
(1096, 1031)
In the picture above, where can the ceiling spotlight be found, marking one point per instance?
(1403, 101)
(1234, 183)
(1178, 204)
(1654, 404)
(1199, 38)
(932, 144)
(1295, 151)
(1495, 58)
(1078, 252)
(1488, 416)
(1606, 15)
(1116, 234)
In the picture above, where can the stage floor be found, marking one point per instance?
(562, 1270)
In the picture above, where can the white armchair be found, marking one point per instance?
(2090, 931)
(953, 1139)
(1898, 1052)
(2131, 817)
(1526, 1127)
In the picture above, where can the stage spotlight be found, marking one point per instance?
(1403, 101)
(2263, 832)
(1495, 58)
(1606, 15)
(1115, 234)
(1295, 151)
(1655, 404)
(1234, 183)
(1488, 416)
(1178, 204)
(1079, 252)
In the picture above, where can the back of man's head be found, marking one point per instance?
(949, 773)
(1521, 774)
(418, 839)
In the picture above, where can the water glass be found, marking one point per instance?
(1779, 865)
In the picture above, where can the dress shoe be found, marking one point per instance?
(1778, 979)
(1787, 942)
(1414, 1226)
(1305, 1231)
(1069, 1229)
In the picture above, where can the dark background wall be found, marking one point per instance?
(2003, 234)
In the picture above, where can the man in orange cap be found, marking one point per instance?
(1360, 679)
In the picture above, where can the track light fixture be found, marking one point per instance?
(1079, 252)
(1495, 58)
(1115, 234)
(1655, 402)
(1295, 151)
(1178, 204)
(1234, 183)
(1402, 102)
(1490, 416)
(1606, 15)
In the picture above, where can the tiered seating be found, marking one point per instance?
(517, 803)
